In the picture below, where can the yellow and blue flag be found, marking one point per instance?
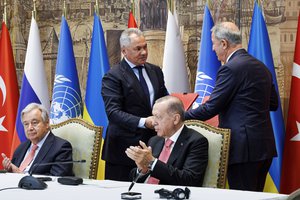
(66, 97)
(94, 110)
(259, 47)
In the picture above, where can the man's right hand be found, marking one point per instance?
(6, 163)
(149, 123)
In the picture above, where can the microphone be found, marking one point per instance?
(133, 195)
(32, 183)
(135, 179)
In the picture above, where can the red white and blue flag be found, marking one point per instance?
(34, 86)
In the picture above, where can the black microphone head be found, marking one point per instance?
(82, 161)
(32, 183)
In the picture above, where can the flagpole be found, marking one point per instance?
(34, 9)
(132, 7)
(96, 7)
(5, 13)
(65, 10)
(171, 6)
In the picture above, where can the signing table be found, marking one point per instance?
(111, 190)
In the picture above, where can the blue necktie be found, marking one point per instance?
(143, 82)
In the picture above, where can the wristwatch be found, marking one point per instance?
(151, 164)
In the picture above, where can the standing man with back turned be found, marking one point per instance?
(129, 90)
(243, 97)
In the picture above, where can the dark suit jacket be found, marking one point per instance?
(54, 149)
(187, 162)
(125, 104)
(243, 96)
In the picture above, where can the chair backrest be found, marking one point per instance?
(218, 152)
(294, 195)
(85, 139)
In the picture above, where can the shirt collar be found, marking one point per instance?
(232, 54)
(130, 63)
(40, 143)
(175, 136)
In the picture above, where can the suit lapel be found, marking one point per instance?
(23, 153)
(159, 146)
(153, 78)
(45, 148)
(178, 146)
(133, 81)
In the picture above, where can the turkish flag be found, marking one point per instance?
(290, 178)
(131, 21)
(9, 93)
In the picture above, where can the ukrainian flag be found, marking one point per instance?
(94, 109)
(259, 47)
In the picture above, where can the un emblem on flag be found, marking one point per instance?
(204, 87)
(66, 102)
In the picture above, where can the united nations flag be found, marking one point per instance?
(66, 98)
(208, 63)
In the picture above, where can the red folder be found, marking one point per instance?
(186, 98)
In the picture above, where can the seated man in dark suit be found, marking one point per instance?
(41, 146)
(177, 155)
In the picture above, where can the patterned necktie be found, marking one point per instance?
(164, 156)
(143, 81)
(29, 157)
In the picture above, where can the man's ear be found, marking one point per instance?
(224, 44)
(123, 51)
(176, 119)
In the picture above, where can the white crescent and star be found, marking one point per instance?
(2, 128)
(3, 91)
(296, 73)
(297, 136)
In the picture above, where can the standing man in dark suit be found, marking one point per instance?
(188, 153)
(49, 148)
(243, 97)
(129, 90)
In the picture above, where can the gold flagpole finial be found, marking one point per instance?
(171, 5)
(65, 9)
(34, 9)
(4, 12)
(133, 7)
(96, 7)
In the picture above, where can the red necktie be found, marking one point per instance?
(164, 156)
(29, 157)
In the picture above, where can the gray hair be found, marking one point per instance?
(32, 106)
(175, 105)
(223, 31)
(125, 39)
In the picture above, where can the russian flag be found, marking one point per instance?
(34, 86)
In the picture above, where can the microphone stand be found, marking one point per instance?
(133, 195)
